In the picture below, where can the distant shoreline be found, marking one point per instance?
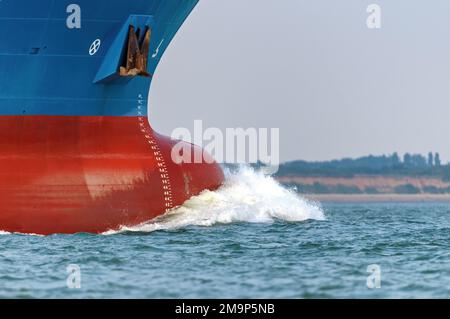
(378, 198)
(369, 188)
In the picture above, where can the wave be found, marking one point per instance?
(246, 196)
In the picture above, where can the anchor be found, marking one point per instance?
(137, 54)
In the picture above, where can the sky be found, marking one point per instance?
(313, 69)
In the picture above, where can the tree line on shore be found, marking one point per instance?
(409, 165)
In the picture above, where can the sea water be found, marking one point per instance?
(252, 238)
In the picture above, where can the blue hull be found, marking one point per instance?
(49, 65)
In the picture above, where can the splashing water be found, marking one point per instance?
(246, 196)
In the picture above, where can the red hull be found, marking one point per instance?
(70, 174)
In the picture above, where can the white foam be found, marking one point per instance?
(246, 196)
(24, 234)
